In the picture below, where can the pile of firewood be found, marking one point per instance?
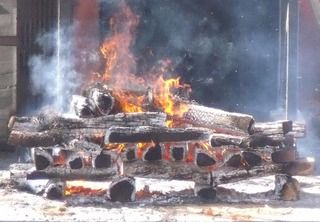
(206, 145)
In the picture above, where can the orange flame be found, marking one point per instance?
(128, 89)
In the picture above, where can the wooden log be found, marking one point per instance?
(203, 159)
(271, 128)
(63, 130)
(54, 190)
(219, 120)
(252, 141)
(153, 153)
(155, 134)
(178, 153)
(42, 159)
(75, 161)
(83, 107)
(49, 122)
(122, 189)
(73, 174)
(286, 187)
(103, 160)
(166, 170)
(227, 175)
(245, 159)
(284, 156)
(102, 98)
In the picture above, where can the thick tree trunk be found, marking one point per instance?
(155, 134)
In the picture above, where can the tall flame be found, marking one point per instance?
(120, 66)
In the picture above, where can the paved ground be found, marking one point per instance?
(244, 201)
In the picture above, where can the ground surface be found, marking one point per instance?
(243, 201)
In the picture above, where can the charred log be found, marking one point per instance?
(83, 107)
(75, 161)
(271, 128)
(42, 159)
(251, 159)
(102, 161)
(234, 160)
(155, 134)
(203, 159)
(54, 190)
(153, 153)
(177, 153)
(102, 99)
(205, 192)
(122, 189)
(73, 174)
(286, 187)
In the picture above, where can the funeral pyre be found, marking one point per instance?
(124, 126)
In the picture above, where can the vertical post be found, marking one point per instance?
(288, 54)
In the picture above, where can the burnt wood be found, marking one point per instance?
(177, 153)
(203, 159)
(153, 153)
(54, 190)
(205, 192)
(83, 107)
(102, 161)
(286, 187)
(155, 134)
(73, 174)
(32, 132)
(301, 167)
(42, 159)
(122, 189)
(102, 99)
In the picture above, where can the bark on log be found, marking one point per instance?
(252, 141)
(155, 134)
(102, 99)
(166, 170)
(228, 175)
(73, 174)
(219, 120)
(25, 130)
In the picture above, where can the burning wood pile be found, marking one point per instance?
(206, 145)
(124, 126)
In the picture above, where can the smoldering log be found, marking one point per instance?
(166, 170)
(286, 187)
(42, 159)
(205, 191)
(122, 189)
(227, 175)
(54, 190)
(203, 159)
(219, 120)
(156, 134)
(102, 99)
(153, 153)
(73, 174)
(83, 107)
(252, 141)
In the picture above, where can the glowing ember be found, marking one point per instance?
(83, 188)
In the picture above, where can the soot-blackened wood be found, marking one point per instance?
(122, 189)
(103, 160)
(75, 161)
(83, 107)
(42, 159)
(228, 175)
(54, 190)
(252, 141)
(205, 192)
(219, 120)
(155, 134)
(153, 153)
(166, 170)
(244, 159)
(178, 153)
(203, 159)
(102, 98)
(73, 174)
(286, 187)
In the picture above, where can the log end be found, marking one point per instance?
(203, 159)
(122, 190)
(205, 192)
(286, 188)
